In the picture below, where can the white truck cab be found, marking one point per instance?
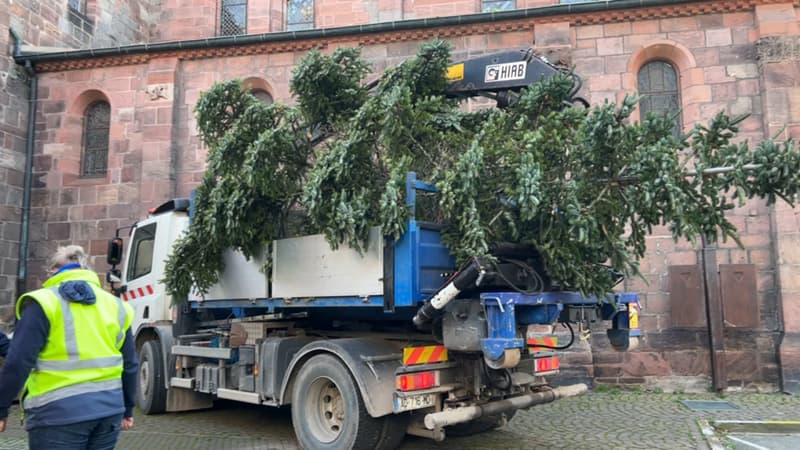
(150, 244)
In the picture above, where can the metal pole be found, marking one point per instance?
(716, 338)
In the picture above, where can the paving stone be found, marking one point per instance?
(613, 419)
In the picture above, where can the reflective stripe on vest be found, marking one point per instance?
(122, 316)
(73, 361)
(69, 391)
(96, 363)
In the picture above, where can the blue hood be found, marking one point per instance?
(77, 291)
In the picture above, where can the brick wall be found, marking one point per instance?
(46, 24)
(156, 154)
(716, 59)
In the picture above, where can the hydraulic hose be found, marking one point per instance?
(466, 277)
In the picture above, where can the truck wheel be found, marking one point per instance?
(478, 426)
(329, 414)
(151, 397)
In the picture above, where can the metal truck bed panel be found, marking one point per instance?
(307, 267)
(242, 279)
(422, 264)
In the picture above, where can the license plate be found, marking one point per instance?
(414, 402)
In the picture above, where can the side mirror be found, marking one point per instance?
(113, 276)
(114, 254)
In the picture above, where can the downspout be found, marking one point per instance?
(24, 235)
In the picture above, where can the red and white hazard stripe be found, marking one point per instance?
(139, 292)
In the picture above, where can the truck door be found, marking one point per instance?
(140, 278)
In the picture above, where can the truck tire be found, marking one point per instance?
(151, 396)
(329, 414)
(478, 426)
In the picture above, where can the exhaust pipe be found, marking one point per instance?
(468, 413)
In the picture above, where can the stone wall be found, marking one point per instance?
(726, 61)
(196, 19)
(45, 24)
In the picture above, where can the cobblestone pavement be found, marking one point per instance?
(609, 420)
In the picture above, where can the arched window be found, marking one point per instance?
(263, 96)
(658, 89)
(94, 161)
(300, 15)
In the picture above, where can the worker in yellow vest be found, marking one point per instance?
(74, 353)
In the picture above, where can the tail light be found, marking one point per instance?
(417, 381)
(548, 364)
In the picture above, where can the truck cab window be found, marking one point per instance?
(142, 251)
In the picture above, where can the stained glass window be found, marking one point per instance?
(95, 140)
(498, 5)
(300, 15)
(77, 5)
(658, 89)
(263, 96)
(233, 17)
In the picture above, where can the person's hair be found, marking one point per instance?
(70, 254)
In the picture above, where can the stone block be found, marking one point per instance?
(689, 362)
(645, 27)
(58, 231)
(719, 37)
(605, 83)
(672, 340)
(587, 67)
(737, 19)
(616, 29)
(747, 87)
(552, 34)
(639, 364)
(679, 24)
(607, 358)
(740, 106)
(716, 75)
(740, 365)
(747, 70)
(610, 46)
(603, 371)
(690, 39)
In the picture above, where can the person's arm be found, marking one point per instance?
(30, 337)
(130, 372)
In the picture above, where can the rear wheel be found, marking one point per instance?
(151, 397)
(329, 414)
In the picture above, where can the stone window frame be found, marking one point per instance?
(223, 4)
(257, 84)
(85, 171)
(661, 64)
(69, 136)
(692, 88)
(310, 19)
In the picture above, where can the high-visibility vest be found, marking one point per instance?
(82, 354)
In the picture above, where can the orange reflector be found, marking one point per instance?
(424, 355)
(547, 364)
(416, 381)
(547, 341)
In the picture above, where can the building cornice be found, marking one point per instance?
(381, 33)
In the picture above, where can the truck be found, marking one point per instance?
(364, 346)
